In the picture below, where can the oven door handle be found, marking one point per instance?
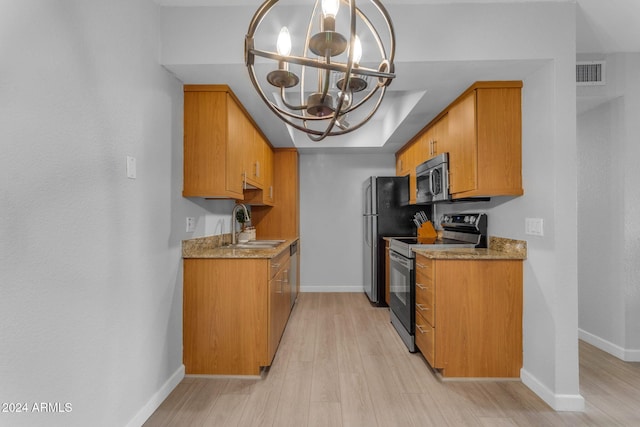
(406, 263)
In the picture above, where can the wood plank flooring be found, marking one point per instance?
(341, 363)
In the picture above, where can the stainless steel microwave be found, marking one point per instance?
(432, 180)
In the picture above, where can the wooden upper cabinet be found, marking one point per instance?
(485, 135)
(267, 170)
(255, 146)
(406, 162)
(463, 149)
(402, 162)
(482, 132)
(225, 154)
(212, 151)
(282, 221)
(437, 141)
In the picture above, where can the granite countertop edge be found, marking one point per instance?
(500, 248)
(216, 247)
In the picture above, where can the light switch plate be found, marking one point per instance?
(534, 226)
(191, 224)
(131, 167)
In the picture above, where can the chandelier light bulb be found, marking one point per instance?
(330, 8)
(357, 51)
(284, 42)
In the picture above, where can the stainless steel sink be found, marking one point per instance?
(257, 244)
(264, 242)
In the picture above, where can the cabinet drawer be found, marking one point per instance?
(424, 267)
(426, 309)
(425, 289)
(425, 338)
(278, 262)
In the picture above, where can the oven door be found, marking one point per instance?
(402, 291)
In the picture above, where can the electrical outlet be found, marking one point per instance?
(131, 167)
(191, 224)
(534, 226)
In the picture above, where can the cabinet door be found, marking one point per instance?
(463, 151)
(212, 163)
(406, 165)
(401, 163)
(268, 174)
(254, 155)
(425, 339)
(283, 219)
(275, 307)
(439, 136)
(235, 147)
(499, 130)
(279, 307)
(478, 318)
(225, 316)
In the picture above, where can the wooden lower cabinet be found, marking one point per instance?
(279, 301)
(469, 316)
(234, 314)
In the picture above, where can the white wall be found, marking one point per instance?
(331, 218)
(90, 278)
(549, 320)
(609, 201)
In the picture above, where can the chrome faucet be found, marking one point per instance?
(234, 220)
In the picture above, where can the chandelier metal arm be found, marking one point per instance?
(367, 97)
(345, 84)
(333, 66)
(290, 106)
(392, 47)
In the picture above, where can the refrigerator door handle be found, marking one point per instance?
(366, 230)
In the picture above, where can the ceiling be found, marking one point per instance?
(601, 27)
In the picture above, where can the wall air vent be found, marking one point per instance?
(589, 73)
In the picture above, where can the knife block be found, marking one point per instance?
(426, 231)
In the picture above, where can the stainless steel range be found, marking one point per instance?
(467, 230)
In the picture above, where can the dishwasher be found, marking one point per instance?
(293, 271)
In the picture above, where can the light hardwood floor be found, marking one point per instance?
(341, 363)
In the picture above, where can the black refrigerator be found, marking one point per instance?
(385, 213)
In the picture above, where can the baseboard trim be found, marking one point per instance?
(559, 402)
(157, 398)
(621, 353)
(345, 289)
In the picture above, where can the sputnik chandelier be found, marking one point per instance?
(336, 93)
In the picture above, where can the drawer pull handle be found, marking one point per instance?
(275, 265)
(422, 307)
(421, 265)
(422, 331)
(421, 286)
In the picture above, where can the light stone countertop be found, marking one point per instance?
(217, 247)
(499, 248)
